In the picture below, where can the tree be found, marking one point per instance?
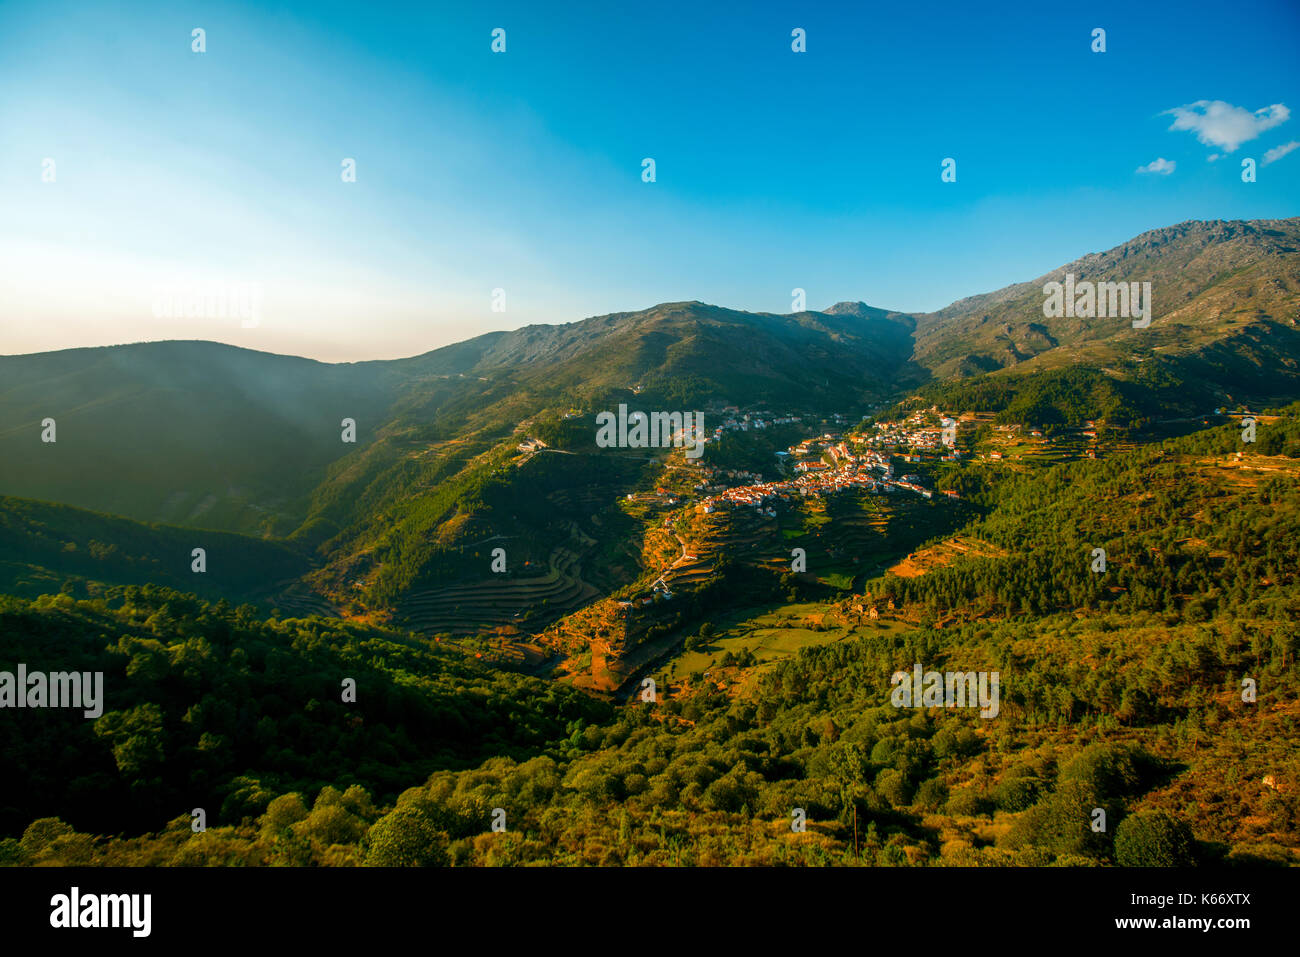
(330, 824)
(894, 787)
(1017, 793)
(847, 763)
(1111, 770)
(41, 833)
(1062, 822)
(137, 739)
(408, 836)
(932, 794)
(283, 813)
(1154, 839)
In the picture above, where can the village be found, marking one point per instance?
(818, 466)
(933, 433)
(848, 469)
(860, 458)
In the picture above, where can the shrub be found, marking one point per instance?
(1154, 839)
(1061, 823)
(1253, 855)
(41, 833)
(892, 786)
(1017, 794)
(932, 794)
(1110, 770)
(967, 802)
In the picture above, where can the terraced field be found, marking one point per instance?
(843, 534)
(944, 553)
(299, 600)
(497, 602)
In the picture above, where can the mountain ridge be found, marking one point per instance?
(198, 434)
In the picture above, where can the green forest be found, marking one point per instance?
(1122, 694)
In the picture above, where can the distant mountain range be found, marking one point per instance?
(1216, 285)
(204, 435)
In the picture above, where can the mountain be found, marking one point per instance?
(475, 563)
(404, 521)
(46, 548)
(1225, 305)
(717, 352)
(203, 434)
(192, 433)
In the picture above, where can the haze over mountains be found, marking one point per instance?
(204, 435)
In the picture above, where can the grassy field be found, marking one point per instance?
(771, 636)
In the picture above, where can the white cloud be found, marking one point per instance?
(1277, 152)
(1221, 124)
(1161, 166)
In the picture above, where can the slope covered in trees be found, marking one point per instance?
(211, 706)
(1121, 692)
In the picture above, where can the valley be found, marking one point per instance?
(503, 572)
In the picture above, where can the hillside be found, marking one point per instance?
(1120, 691)
(46, 548)
(190, 433)
(401, 525)
(1225, 306)
(690, 352)
(211, 705)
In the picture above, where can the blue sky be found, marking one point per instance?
(522, 170)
